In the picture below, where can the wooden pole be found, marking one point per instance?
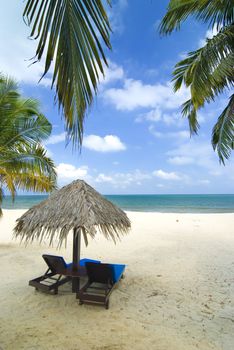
(76, 258)
(76, 248)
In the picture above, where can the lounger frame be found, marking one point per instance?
(58, 273)
(100, 279)
(49, 282)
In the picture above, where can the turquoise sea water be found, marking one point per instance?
(214, 203)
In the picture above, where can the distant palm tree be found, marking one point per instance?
(208, 71)
(71, 33)
(23, 161)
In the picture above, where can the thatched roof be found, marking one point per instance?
(75, 206)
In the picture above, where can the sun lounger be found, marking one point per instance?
(102, 278)
(58, 273)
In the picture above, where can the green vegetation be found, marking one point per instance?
(70, 34)
(23, 161)
(208, 71)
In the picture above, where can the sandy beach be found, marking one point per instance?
(177, 294)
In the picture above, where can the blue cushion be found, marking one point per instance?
(83, 261)
(117, 270)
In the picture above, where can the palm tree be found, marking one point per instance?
(208, 71)
(70, 33)
(23, 161)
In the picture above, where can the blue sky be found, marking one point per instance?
(135, 138)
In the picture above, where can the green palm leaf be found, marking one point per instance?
(208, 71)
(70, 33)
(217, 13)
(223, 132)
(31, 158)
(188, 111)
(23, 161)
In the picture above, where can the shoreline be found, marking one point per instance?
(177, 294)
(149, 211)
(198, 204)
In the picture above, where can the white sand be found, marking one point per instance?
(178, 291)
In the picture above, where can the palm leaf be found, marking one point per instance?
(68, 32)
(23, 161)
(223, 132)
(31, 158)
(28, 129)
(208, 70)
(190, 112)
(217, 13)
(7, 180)
(33, 182)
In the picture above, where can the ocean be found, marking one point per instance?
(211, 203)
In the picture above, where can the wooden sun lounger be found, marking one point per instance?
(58, 273)
(102, 279)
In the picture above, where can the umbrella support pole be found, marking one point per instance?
(76, 259)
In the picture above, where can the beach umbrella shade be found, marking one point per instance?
(77, 207)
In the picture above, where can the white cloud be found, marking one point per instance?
(181, 135)
(160, 185)
(20, 65)
(111, 73)
(157, 114)
(181, 160)
(172, 118)
(209, 35)
(15, 47)
(152, 72)
(154, 116)
(155, 133)
(68, 172)
(123, 180)
(166, 176)
(204, 182)
(52, 140)
(108, 143)
(115, 15)
(136, 94)
(199, 152)
(104, 178)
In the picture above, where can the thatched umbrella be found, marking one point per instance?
(76, 207)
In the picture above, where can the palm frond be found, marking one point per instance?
(8, 88)
(190, 112)
(214, 12)
(7, 181)
(223, 132)
(34, 182)
(28, 158)
(28, 129)
(208, 70)
(23, 161)
(69, 32)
